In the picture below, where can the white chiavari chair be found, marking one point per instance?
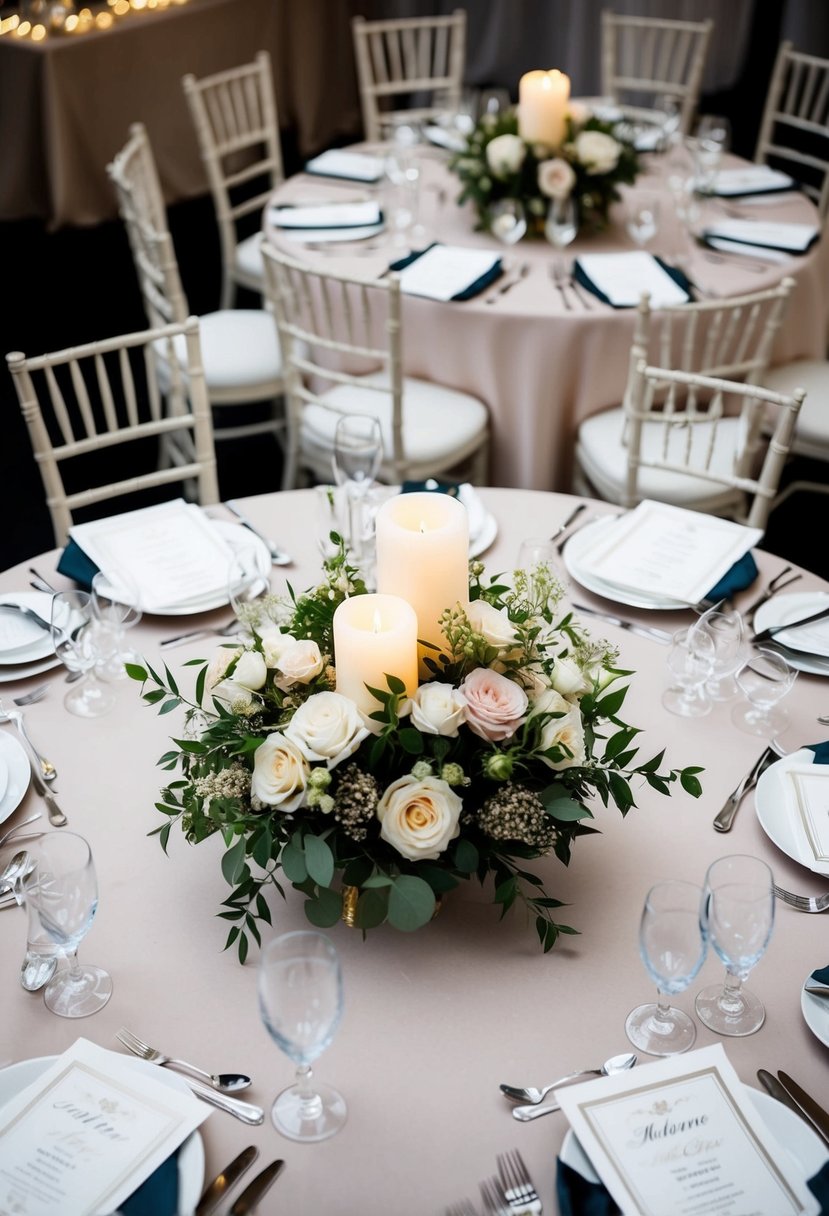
(794, 131)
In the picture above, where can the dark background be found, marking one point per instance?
(78, 284)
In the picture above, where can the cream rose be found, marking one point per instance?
(218, 665)
(419, 817)
(567, 730)
(556, 178)
(299, 663)
(327, 727)
(599, 153)
(274, 644)
(438, 709)
(505, 155)
(280, 773)
(495, 706)
(569, 679)
(250, 670)
(494, 626)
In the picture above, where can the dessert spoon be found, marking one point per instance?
(525, 1114)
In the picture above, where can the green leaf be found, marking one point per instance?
(690, 783)
(152, 698)
(173, 703)
(171, 683)
(292, 860)
(320, 860)
(200, 679)
(233, 862)
(326, 909)
(261, 851)
(372, 909)
(411, 903)
(411, 740)
(135, 671)
(466, 856)
(377, 881)
(565, 809)
(243, 948)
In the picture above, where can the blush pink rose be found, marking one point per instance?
(495, 706)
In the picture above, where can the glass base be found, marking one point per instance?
(751, 720)
(78, 997)
(677, 701)
(89, 700)
(309, 1119)
(657, 1036)
(740, 1016)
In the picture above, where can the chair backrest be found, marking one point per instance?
(235, 117)
(334, 329)
(140, 202)
(413, 66)
(794, 132)
(89, 398)
(682, 404)
(645, 57)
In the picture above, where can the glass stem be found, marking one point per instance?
(310, 1103)
(662, 1021)
(731, 1001)
(75, 972)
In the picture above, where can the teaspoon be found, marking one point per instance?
(19, 864)
(615, 1064)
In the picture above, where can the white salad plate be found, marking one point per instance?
(794, 1137)
(809, 646)
(815, 1010)
(580, 543)
(18, 773)
(16, 1077)
(776, 810)
(25, 640)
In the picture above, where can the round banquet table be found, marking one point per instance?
(540, 367)
(435, 1020)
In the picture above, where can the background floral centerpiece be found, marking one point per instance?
(590, 163)
(487, 761)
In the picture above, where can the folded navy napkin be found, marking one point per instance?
(468, 293)
(158, 1194)
(821, 751)
(587, 283)
(741, 575)
(432, 485)
(76, 565)
(821, 976)
(578, 1197)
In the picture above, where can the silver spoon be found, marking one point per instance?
(524, 1114)
(21, 863)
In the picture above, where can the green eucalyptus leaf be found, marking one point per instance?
(372, 909)
(292, 860)
(233, 862)
(326, 909)
(411, 903)
(320, 860)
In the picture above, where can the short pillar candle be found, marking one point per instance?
(542, 107)
(423, 556)
(374, 636)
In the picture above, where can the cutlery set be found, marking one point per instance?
(230, 1175)
(502, 289)
(724, 818)
(786, 1090)
(564, 280)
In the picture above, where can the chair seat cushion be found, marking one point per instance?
(240, 352)
(249, 265)
(438, 422)
(811, 436)
(604, 460)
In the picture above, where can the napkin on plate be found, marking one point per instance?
(158, 1194)
(353, 166)
(753, 179)
(317, 216)
(741, 575)
(448, 272)
(75, 564)
(618, 279)
(821, 976)
(453, 141)
(763, 234)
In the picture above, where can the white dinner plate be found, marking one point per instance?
(191, 1155)
(794, 607)
(815, 1011)
(237, 538)
(4, 777)
(794, 1137)
(32, 642)
(583, 540)
(486, 534)
(9, 674)
(776, 812)
(18, 774)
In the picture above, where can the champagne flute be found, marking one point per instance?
(672, 947)
(727, 632)
(358, 451)
(764, 679)
(301, 1004)
(74, 636)
(690, 663)
(738, 918)
(116, 606)
(62, 890)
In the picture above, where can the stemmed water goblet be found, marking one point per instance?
(642, 221)
(358, 452)
(116, 606)
(764, 679)
(561, 223)
(737, 918)
(74, 636)
(727, 631)
(690, 664)
(672, 948)
(301, 1004)
(62, 891)
(508, 220)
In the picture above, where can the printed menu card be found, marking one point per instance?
(683, 1136)
(87, 1133)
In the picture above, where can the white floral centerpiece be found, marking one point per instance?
(593, 159)
(512, 728)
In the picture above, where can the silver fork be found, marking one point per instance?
(220, 630)
(803, 903)
(47, 768)
(519, 1188)
(495, 1201)
(559, 277)
(142, 1049)
(464, 1208)
(12, 831)
(772, 587)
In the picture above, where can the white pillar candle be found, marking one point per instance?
(542, 107)
(423, 556)
(374, 636)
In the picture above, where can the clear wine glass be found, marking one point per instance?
(642, 219)
(246, 582)
(74, 636)
(358, 452)
(508, 220)
(690, 664)
(764, 680)
(116, 606)
(62, 890)
(711, 139)
(727, 630)
(301, 1004)
(561, 224)
(737, 918)
(672, 947)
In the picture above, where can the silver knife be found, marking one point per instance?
(56, 815)
(777, 1091)
(816, 1114)
(817, 989)
(562, 527)
(644, 631)
(766, 634)
(725, 817)
(221, 1184)
(261, 1184)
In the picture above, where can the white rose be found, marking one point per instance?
(438, 709)
(274, 643)
(235, 696)
(493, 625)
(419, 817)
(280, 773)
(505, 155)
(218, 665)
(567, 730)
(250, 670)
(599, 153)
(327, 727)
(568, 678)
(299, 663)
(556, 178)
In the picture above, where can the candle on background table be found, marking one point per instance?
(374, 636)
(423, 556)
(542, 107)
